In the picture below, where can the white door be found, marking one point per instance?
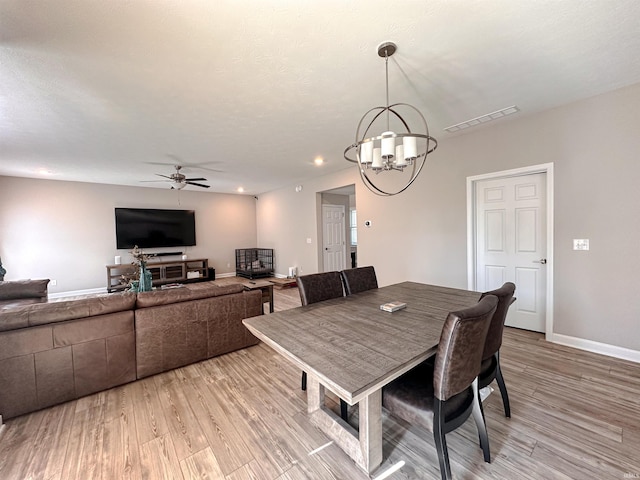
(511, 244)
(333, 242)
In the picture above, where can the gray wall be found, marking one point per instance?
(421, 234)
(65, 231)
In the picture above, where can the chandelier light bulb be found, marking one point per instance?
(388, 145)
(366, 153)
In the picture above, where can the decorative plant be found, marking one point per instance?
(132, 280)
(2, 271)
(139, 257)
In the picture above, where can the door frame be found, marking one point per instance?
(472, 182)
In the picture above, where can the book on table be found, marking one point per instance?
(392, 306)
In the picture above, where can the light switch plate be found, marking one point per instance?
(581, 244)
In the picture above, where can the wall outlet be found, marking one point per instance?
(308, 240)
(581, 244)
(53, 283)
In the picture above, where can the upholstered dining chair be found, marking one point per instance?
(442, 396)
(490, 369)
(359, 279)
(318, 287)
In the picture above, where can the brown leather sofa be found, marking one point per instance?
(186, 325)
(52, 351)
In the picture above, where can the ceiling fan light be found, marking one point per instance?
(178, 185)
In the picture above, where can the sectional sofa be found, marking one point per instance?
(55, 350)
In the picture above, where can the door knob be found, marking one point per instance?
(543, 261)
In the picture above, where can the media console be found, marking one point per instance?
(171, 271)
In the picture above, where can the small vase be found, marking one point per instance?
(146, 282)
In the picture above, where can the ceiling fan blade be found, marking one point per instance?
(160, 175)
(198, 184)
(194, 179)
(153, 181)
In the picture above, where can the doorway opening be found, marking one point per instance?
(335, 230)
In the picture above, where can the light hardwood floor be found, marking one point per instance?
(242, 416)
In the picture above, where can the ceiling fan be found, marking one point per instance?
(179, 181)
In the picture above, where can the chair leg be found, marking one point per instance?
(344, 410)
(440, 440)
(304, 381)
(478, 416)
(503, 388)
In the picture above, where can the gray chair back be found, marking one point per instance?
(318, 287)
(494, 336)
(459, 353)
(359, 279)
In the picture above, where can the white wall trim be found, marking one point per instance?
(74, 293)
(471, 260)
(226, 275)
(2, 426)
(93, 291)
(597, 347)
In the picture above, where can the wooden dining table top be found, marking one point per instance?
(353, 346)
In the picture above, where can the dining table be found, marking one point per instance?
(353, 348)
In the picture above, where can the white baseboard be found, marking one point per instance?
(226, 275)
(73, 293)
(597, 347)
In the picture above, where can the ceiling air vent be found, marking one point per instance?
(483, 119)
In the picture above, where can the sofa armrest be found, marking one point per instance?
(23, 289)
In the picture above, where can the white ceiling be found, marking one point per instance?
(113, 91)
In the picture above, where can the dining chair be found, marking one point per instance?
(359, 279)
(318, 287)
(442, 396)
(490, 369)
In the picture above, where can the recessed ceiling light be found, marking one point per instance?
(240, 190)
(44, 171)
(318, 161)
(483, 119)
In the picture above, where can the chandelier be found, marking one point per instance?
(390, 152)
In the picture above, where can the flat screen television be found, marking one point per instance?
(152, 228)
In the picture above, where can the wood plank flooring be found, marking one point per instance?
(242, 416)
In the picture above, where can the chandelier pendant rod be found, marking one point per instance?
(386, 68)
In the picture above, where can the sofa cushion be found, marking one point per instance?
(58, 311)
(23, 289)
(53, 311)
(19, 302)
(194, 291)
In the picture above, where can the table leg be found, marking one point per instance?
(270, 287)
(363, 446)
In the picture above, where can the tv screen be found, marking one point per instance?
(151, 228)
